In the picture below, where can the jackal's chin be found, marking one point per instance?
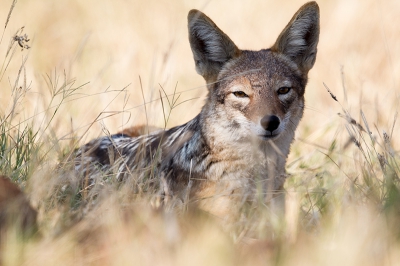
(268, 135)
(262, 135)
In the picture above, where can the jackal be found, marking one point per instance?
(240, 140)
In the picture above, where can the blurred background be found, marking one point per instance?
(99, 66)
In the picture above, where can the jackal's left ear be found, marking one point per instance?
(299, 39)
(211, 47)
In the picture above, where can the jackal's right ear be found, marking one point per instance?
(299, 39)
(211, 47)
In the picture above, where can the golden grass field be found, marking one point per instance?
(92, 65)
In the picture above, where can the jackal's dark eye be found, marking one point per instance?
(240, 94)
(284, 90)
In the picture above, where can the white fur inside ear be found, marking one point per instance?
(299, 39)
(213, 41)
(296, 42)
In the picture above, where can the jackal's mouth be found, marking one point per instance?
(269, 136)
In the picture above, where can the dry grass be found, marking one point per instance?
(80, 79)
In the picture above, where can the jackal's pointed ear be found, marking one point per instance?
(299, 39)
(211, 47)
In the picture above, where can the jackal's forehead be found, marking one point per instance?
(263, 69)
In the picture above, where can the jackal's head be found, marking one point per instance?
(259, 91)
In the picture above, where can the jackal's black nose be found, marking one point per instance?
(270, 122)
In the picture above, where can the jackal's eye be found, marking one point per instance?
(284, 90)
(240, 94)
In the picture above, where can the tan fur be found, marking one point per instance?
(136, 131)
(14, 207)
